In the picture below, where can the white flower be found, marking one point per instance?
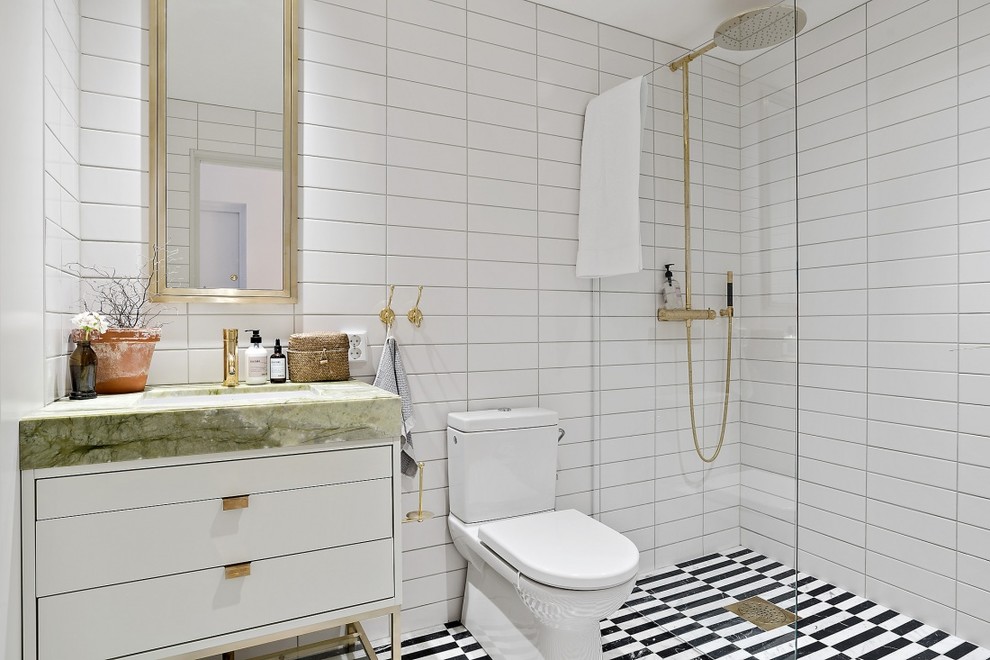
(90, 321)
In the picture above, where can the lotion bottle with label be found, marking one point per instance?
(257, 360)
(277, 364)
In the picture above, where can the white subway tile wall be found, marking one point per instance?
(892, 253)
(63, 220)
(440, 145)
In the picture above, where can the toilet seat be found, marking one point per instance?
(564, 549)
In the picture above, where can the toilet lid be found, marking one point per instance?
(565, 549)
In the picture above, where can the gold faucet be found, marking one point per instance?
(230, 378)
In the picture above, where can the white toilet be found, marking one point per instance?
(538, 580)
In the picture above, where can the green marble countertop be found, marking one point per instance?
(183, 420)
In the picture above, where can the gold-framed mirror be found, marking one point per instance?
(223, 150)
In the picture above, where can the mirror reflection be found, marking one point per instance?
(222, 94)
(237, 214)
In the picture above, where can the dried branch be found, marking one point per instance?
(123, 300)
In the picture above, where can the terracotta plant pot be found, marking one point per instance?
(124, 357)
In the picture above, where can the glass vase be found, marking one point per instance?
(82, 370)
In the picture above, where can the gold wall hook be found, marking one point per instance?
(387, 316)
(415, 315)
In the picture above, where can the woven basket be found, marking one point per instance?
(318, 356)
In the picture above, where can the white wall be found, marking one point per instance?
(440, 146)
(223, 53)
(114, 190)
(893, 234)
(62, 216)
(22, 257)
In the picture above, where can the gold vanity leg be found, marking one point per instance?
(396, 635)
(353, 633)
(365, 642)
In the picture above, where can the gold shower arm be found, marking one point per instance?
(678, 63)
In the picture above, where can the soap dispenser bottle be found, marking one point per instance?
(257, 360)
(277, 364)
(670, 291)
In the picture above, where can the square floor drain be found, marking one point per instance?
(762, 613)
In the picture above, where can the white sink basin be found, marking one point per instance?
(224, 396)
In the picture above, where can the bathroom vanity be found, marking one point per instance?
(184, 522)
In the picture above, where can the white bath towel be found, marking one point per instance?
(608, 224)
(391, 377)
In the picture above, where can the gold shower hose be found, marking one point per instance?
(725, 396)
(682, 64)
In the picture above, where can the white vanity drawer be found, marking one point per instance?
(130, 489)
(95, 550)
(152, 614)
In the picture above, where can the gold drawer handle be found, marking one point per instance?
(234, 503)
(235, 571)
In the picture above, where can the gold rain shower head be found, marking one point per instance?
(761, 28)
(755, 29)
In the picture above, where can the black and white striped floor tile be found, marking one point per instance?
(678, 613)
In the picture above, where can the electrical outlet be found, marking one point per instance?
(358, 351)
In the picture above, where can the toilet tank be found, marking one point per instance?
(501, 463)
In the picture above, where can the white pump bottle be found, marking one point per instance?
(257, 361)
(670, 291)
